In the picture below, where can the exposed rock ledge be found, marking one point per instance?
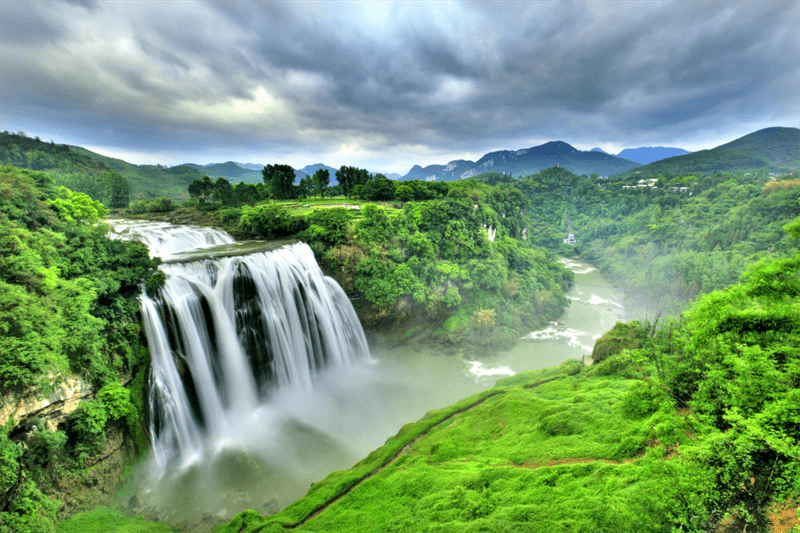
(51, 410)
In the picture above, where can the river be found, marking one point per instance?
(301, 433)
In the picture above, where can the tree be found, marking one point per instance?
(280, 179)
(306, 187)
(246, 193)
(349, 177)
(345, 178)
(321, 180)
(201, 189)
(223, 191)
(119, 193)
(379, 188)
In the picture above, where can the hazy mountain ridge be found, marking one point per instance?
(229, 171)
(525, 162)
(650, 154)
(646, 154)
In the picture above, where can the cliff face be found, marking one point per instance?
(51, 410)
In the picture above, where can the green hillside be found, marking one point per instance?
(85, 171)
(149, 180)
(230, 171)
(715, 160)
(770, 147)
(678, 428)
(34, 154)
(781, 146)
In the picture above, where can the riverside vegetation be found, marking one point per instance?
(68, 306)
(700, 412)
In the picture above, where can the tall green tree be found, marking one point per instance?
(280, 179)
(201, 189)
(350, 177)
(223, 192)
(306, 187)
(321, 179)
(119, 190)
(345, 178)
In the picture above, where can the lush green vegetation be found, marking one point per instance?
(683, 427)
(110, 181)
(105, 520)
(778, 148)
(454, 259)
(680, 425)
(688, 235)
(67, 307)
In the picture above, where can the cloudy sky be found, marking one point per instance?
(387, 85)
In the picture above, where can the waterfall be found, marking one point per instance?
(224, 333)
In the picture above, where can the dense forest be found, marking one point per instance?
(68, 306)
(668, 239)
(665, 239)
(454, 259)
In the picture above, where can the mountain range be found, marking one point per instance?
(770, 147)
(524, 162)
(513, 162)
(646, 154)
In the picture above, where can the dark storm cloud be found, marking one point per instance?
(443, 77)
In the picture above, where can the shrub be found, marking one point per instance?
(87, 429)
(230, 216)
(559, 424)
(269, 222)
(155, 205)
(641, 400)
(630, 335)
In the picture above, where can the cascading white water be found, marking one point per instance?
(165, 240)
(224, 333)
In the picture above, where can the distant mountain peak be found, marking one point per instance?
(524, 162)
(649, 154)
(554, 147)
(598, 149)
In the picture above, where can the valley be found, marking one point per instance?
(456, 284)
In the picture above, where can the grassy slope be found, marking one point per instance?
(151, 180)
(781, 146)
(778, 147)
(542, 451)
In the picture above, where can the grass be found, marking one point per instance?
(306, 206)
(104, 520)
(542, 451)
